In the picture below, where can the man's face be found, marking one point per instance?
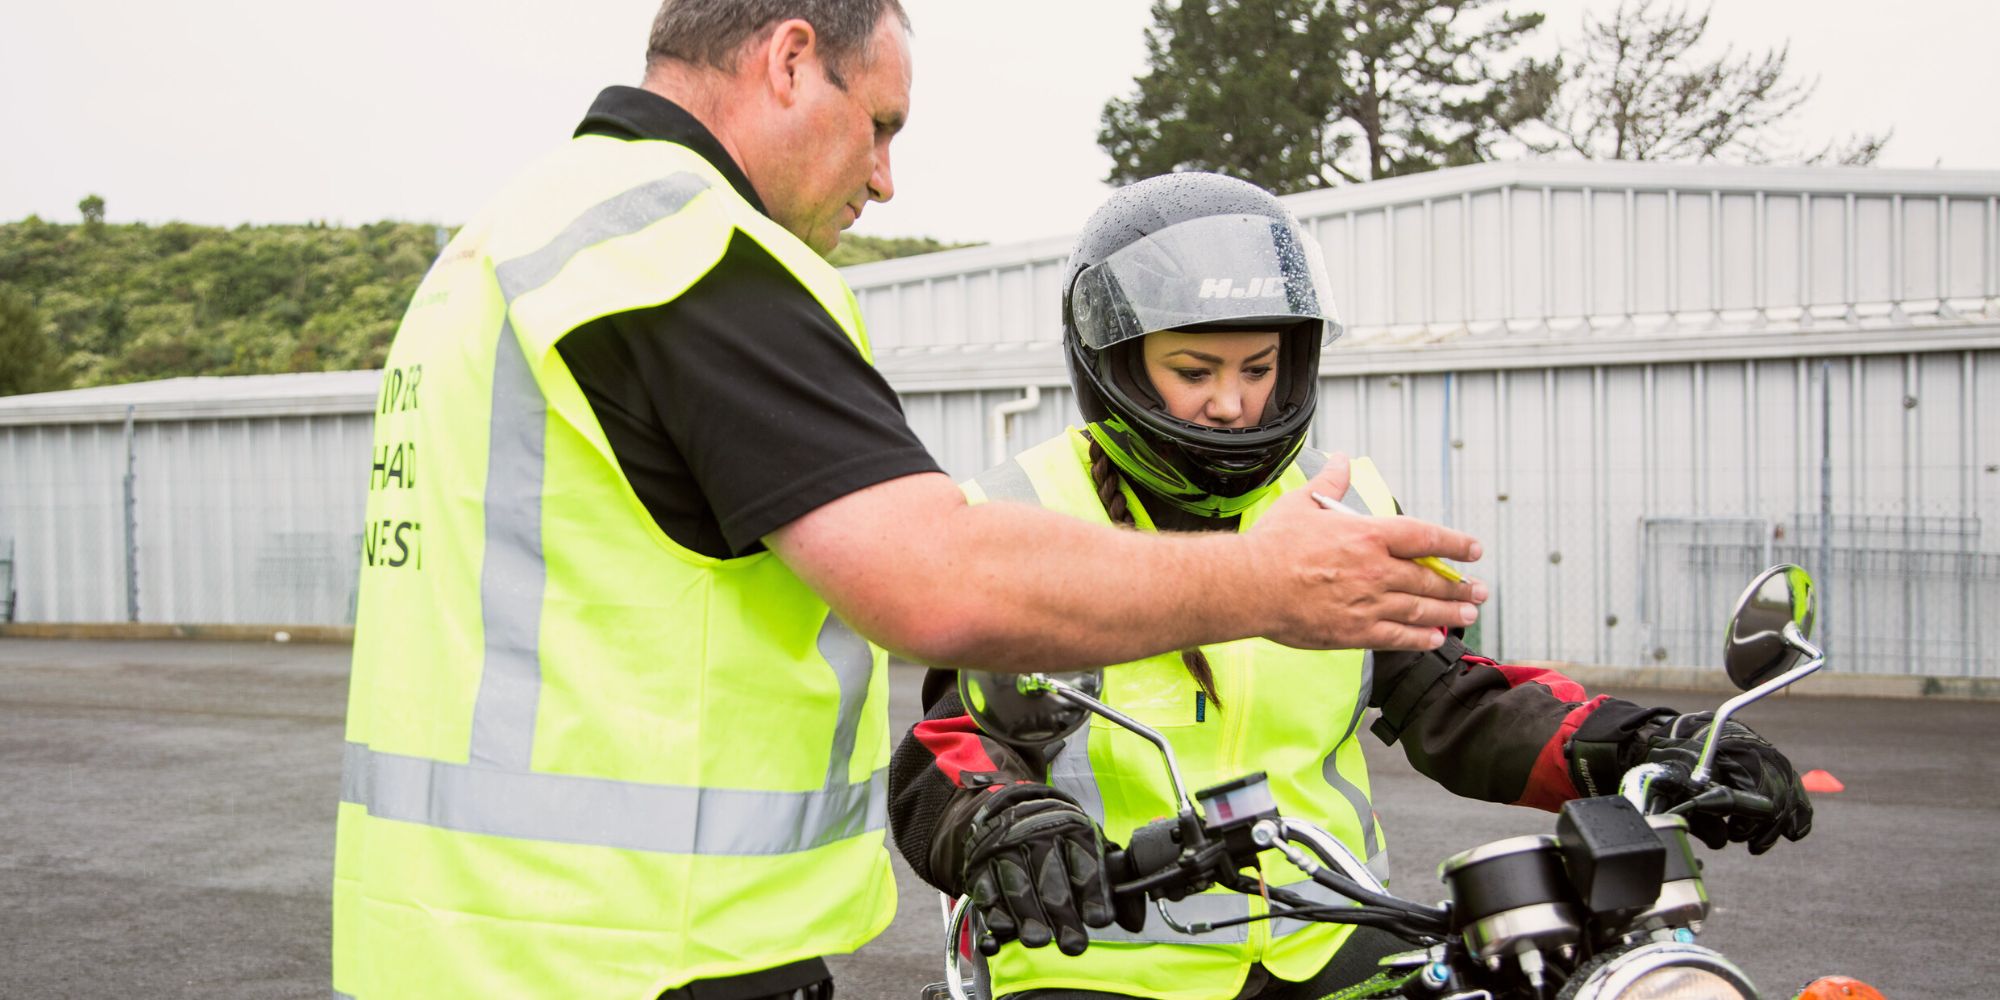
(840, 161)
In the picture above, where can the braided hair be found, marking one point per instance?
(1110, 493)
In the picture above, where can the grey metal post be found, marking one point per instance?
(1825, 497)
(131, 525)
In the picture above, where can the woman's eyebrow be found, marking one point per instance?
(1212, 359)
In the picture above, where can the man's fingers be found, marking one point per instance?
(1409, 538)
(1425, 612)
(1401, 576)
(1386, 636)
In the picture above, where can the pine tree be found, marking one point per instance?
(1298, 94)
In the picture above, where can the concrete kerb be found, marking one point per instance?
(152, 630)
(1825, 684)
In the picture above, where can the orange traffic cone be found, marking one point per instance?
(1839, 988)
(1819, 782)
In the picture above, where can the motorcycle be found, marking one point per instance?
(1606, 908)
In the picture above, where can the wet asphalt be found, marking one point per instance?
(166, 830)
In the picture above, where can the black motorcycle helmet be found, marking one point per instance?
(1194, 252)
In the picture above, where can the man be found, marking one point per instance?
(613, 729)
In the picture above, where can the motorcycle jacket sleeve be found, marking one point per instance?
(1495, 731)
(936, 778)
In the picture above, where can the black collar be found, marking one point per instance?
(632, 113)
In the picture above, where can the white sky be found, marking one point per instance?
(233, 111)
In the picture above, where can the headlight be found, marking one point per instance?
(1664, 971)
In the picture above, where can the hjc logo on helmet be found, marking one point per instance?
(1255, 288)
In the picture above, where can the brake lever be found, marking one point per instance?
(1723, 799)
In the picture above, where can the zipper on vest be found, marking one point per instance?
(1241, 669)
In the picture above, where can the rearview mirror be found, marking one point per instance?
(1023, 709)
(1757, 648)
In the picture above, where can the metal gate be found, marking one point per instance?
(1898, 594)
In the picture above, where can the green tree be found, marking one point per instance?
(1640, 88)
(28, 358)
(1298, 94)
(854, 249)
(92, 208)
(122, 303)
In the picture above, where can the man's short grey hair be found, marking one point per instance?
(712, 32)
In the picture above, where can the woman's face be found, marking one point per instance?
(1214, 379)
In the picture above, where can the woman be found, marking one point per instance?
(1194, 311)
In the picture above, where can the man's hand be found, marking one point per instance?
(1744, 761)
(1349, 582)
(1034, 867)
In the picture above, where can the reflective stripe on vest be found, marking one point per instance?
(516, 802)
(1371, 847)
(496, 793)
(511, 581)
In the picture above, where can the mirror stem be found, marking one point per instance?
(1166, 749)
(1815, 659)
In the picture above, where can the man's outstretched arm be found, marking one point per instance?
(1005, 586)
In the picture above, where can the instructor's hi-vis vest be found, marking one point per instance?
(583, 761)
(1288, 712)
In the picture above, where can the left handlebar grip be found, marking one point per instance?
(1751, 804)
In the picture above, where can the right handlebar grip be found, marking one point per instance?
(1154, 847)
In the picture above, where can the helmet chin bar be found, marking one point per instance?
(1207, 471)
(1170, 478)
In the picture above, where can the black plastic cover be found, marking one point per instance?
(1615, 859)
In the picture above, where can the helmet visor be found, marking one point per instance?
(1240, 270)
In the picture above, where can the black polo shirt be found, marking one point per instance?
(740, 405)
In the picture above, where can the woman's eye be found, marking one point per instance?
(1257, 371)
(1192, 374)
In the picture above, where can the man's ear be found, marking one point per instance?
(789, 51)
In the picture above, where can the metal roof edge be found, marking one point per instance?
(1790, 341)
(96, 405)
(895, 271)
(1617, 175)
(1493, 176)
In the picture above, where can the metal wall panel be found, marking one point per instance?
(61, 501)
(238, 521)
(1558, 469)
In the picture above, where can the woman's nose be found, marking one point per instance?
(1225, 407)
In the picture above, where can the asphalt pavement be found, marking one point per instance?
(166, 830)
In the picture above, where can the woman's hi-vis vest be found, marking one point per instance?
(1290, 713)
(583, 761)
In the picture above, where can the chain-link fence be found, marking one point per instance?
(1898, 594)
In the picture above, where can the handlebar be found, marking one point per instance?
(1723, 799)
(1664, 788)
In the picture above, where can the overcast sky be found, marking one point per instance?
(233, 111)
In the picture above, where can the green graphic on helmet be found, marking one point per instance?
(1144, 469)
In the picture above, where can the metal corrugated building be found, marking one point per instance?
(241, 499)
(1614, 374)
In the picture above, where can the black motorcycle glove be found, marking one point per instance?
(1744, 761)
(1033, 863)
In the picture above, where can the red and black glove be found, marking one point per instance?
(1744, 761)
(1621, 735)
(1033, 862)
